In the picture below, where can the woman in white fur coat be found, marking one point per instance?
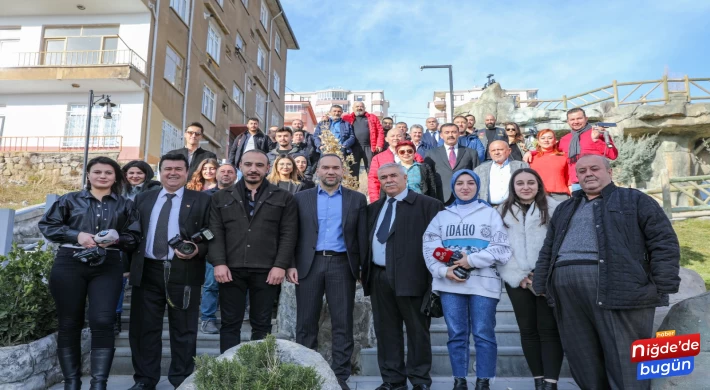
(526, 213)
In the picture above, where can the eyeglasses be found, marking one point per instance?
(405, 151)
(196, 134)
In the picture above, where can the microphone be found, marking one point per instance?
(448, 257)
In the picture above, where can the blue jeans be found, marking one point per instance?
(210, 295)
(119, 307)
(477, 315)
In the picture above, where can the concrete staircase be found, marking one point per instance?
(511, 362)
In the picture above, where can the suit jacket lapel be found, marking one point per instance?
(460, 152)
(146, 209)
(375, 217)
(314, 205)
(185, 207)
(345, 205)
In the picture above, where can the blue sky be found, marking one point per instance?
(558, 47)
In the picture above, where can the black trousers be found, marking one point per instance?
(390, 312)
(329, 275)
(145, 334)
(597, 341)
(232, 302)
(538, 333)
(70, 282)
(361, 152)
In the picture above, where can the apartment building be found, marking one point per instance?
(439, 106)
(164, 63)
(374, 100)
(300, 110)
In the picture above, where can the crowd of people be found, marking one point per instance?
(453, 216)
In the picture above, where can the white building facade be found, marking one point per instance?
(52, 55)
(439, 106)
(321, 101)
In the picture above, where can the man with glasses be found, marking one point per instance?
(192, 150)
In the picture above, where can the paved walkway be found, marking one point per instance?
(123, 382)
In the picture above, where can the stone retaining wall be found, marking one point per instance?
(63, 168)
(34, 366)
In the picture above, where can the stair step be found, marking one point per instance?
(510, 363)
(206, 341)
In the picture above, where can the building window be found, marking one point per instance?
(294, 108)
(377, 107)
(214, 42)
(104, 132)
(260, 105)
(172, 138)
(275, 119)
(9, 45)
(277, 83)
(208, 103)
(173, 67)
(333, 95)
(261, 59)
(458, 98)
(277, 44)
(305, 99)
(359, 98)
(81, 45)
(239, 42)
(180, 7)
(238, 96)
(264, 15)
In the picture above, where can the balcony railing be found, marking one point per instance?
(50, 144)
(74, 59)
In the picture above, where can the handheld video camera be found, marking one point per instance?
(187, 248)
(92, 256)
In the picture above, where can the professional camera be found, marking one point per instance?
(531, 132)
(448, 257)
(187, 248)
(93, 256)
(605, 132)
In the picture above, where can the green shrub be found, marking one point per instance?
(27, 311)
(633, 166)
(255, 366)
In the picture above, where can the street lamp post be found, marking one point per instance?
(105, 102)
(451, 83)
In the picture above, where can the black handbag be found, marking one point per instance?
(431, 306)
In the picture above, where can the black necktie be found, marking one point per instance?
(160, 240)
(384, 229)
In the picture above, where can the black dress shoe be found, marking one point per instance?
(539, 382)
(421, 387)
(142, 386)
(460, 384)
(483, 384)
(549, 386)
(393, 386)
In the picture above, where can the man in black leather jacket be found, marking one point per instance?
(609, 259)
(253, 138)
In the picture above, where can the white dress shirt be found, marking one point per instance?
(173, 224)
(379, 250)
(499, 182)
(448, 150)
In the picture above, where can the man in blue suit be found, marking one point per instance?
(341, 129)
(431, 135)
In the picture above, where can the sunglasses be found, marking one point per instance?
(405, 151)
(511, 129)
(196, 134)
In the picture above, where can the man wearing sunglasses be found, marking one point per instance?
(192, 150)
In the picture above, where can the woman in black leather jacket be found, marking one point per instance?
(74, 222)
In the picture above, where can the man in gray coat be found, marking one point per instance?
(495, 174)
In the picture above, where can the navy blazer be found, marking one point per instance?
(429, 139)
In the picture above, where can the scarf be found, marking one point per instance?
(574, 147)
(478, 187)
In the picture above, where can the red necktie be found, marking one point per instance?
(452, 157)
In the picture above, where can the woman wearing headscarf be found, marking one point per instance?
(526, 214)
(469, 303)
(139, 178)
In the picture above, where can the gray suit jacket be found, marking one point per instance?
(354, 222)
(438, 159)
(484, 173)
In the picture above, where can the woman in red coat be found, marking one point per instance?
(551, 163)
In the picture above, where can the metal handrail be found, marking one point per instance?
(74, 58)
(61, 143)
(612, 91)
